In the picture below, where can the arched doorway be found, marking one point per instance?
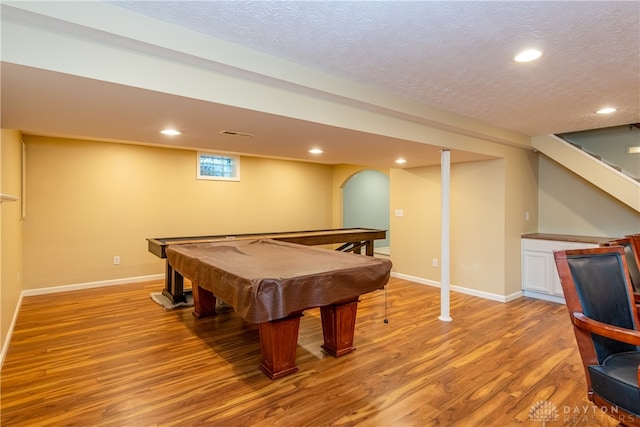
(365, 203)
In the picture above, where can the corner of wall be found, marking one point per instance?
(10, 234)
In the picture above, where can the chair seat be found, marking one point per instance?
(616, 380)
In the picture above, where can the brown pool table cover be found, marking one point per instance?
(265, 279)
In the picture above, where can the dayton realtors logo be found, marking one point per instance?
(545, 412)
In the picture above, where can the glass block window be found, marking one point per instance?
(218, 167)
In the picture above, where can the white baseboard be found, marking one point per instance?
(7, 341)
(543, 296)
(89, 285)
(462, 290)
(382, 251)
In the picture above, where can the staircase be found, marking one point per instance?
(599, 157)
(591, 167)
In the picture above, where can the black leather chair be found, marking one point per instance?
(599, 297)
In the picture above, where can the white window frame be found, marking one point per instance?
(235, 161)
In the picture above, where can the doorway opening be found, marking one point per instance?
(365, 204)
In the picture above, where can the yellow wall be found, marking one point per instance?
(478, 215)
(415, 240)
(476, 227)
(521, 211)
(488, 204)
(89, 201)
(11, 230)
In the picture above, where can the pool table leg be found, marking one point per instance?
(204, 302)
(338, 326)
(278, 341)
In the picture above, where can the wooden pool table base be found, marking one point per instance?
(279, 338)
(278, 342)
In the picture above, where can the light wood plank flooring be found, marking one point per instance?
(112, 357)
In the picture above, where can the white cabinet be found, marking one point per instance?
(539, 274)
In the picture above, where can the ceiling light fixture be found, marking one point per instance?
(170, 132)
(528, 55)
(401, 161)
(606, 110)
(315, 151)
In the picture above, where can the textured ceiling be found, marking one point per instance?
(455, 56)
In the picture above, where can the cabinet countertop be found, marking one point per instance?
(568, 238)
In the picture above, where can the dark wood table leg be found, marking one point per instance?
(173, 285)
(369, 247)
(278, 341)
(204, 302)
(338, 326)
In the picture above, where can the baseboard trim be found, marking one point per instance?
(89, 285)
(460, 289)
(386, 251)
(545, 297)
(7, 341)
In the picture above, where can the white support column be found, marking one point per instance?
(445, 165)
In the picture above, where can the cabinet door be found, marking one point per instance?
(556, 286)
(539, 273)
(535, 271)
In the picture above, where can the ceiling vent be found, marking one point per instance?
(235, 133)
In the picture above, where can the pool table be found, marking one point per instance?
(351, 240)
(271, 282)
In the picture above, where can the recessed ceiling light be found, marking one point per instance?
(401, 161)
(170, 132)
(316, 151)
(607, 110)
(528, 55)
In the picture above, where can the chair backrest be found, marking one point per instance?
(632, 257)
(635, 238)
(596, 282)
(635, 242)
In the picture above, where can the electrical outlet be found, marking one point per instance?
(116, 260)
(434, 262)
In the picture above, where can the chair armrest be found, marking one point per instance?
(628, 336)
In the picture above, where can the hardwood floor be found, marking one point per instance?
(112, 357)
